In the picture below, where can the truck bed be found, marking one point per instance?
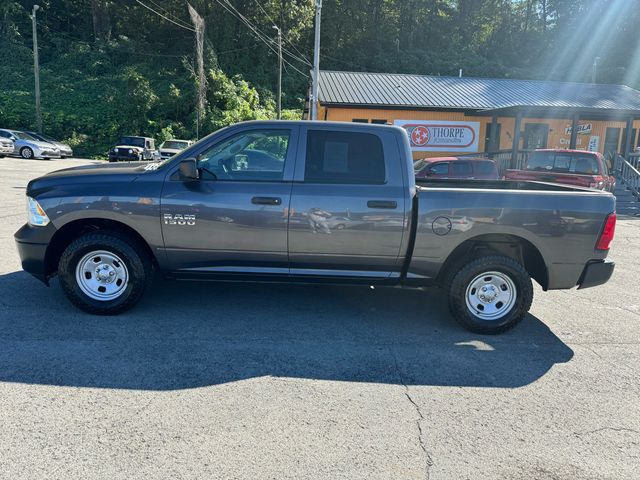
(558, 222)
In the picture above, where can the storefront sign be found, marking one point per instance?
(441, 136)
(583, 129)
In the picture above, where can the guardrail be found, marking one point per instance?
(628, 171)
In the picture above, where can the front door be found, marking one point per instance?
(535, 136)
(611, 139)
(348, 212)
(235, 217)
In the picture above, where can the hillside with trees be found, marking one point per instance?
(112, 67)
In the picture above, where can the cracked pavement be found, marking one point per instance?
(277, 381)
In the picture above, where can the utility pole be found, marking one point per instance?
(594, 70)
(36, 69)
(313, 99)
(198, 25)
(279, 72)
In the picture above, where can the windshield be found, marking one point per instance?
(134, 141)
(175, 144)
(23, 136)
(563, 162)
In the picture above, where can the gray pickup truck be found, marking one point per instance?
(312, 202)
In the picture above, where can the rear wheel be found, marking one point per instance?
(26, 152)
(490, 294)
(104, 273)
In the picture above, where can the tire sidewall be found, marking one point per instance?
(26, 149)
(92, 242)
(461, 281)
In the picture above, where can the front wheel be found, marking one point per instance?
(26, 152)
(490, 294)
(104, 273)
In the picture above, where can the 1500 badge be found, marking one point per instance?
(179, 219)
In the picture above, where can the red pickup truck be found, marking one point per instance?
(570, 167)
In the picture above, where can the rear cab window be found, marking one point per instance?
(334, 157)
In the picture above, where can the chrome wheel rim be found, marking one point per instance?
(102, 275)
(27, 153)
(491, 295)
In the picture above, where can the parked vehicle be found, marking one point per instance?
(169, 148)
(134, 149)
(569, 167)
(210, 212)
(6, 147)
(456, 167)
(29, 147)
(65, 149)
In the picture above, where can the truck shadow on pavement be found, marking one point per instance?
(188, 335)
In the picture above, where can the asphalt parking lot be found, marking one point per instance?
(268, 381)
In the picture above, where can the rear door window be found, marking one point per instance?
(344, 157)
(485, 168)
(459, 169)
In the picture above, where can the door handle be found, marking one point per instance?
(266, 200)
(382, 204)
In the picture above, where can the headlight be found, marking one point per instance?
(35, 214)
(130, 151)
(115, 150)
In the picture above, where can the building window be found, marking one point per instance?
(378, 121)
(360, 120)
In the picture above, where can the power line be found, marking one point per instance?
(285, 38)
(165, 17)
(266, 40)
(167, 12)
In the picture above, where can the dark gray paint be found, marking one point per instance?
(233, 236)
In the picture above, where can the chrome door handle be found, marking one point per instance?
(266, 200)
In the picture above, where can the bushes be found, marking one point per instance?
(90, 97)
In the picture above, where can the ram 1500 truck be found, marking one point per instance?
(312, 202)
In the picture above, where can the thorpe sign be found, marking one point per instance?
(441, 136)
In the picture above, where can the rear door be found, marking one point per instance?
(348, 209)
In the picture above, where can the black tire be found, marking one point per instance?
(136, 260)
(459, 280)
(27, 153)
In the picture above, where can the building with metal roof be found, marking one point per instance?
(496, 114)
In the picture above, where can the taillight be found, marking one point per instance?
(606, 236)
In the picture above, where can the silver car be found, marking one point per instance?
(65, 150)
(29, 147)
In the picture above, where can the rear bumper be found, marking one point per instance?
(596, 273)
(32, 243)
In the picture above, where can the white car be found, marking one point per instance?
(6, 147)
(169, 148)
(27, 146)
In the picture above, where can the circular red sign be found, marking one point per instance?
(420, 136)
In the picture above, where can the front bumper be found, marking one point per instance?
(46, 153)
(596, 273)
(32, 243)
(117, 157)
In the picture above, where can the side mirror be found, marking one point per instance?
(188, 170)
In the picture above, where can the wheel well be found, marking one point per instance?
(72, 230)
(508, 245)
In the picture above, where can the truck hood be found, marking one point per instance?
(86, 174)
